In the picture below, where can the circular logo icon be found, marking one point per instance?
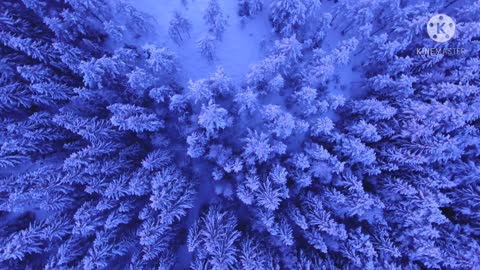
(441, 28)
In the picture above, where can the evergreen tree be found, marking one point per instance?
(288, 16)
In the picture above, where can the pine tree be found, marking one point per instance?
(288, 16)
(207, 47)
(130, 117)
(179, 28)
(249, 8)
(214, 118)
(216, 239)
(214, 19)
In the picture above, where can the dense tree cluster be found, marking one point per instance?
(107, 161)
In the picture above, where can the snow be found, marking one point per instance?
(241, 45)
(239, 48)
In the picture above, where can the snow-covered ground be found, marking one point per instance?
(239, 48)
(241, 45)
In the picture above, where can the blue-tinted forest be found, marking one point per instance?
(254, 135)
